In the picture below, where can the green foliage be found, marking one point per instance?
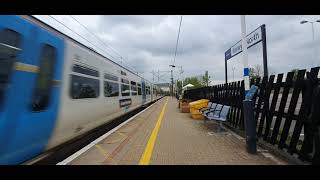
(196, 81)
(255, 72)
(179, 86)
(206, 79)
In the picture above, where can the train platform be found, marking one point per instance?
(162, 135)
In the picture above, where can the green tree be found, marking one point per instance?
(255, 72)
(206, 79)
(179, 86)
(194, 81)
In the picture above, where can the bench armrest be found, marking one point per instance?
(211, 111)
(203, 109)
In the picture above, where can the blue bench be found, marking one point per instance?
(217, 112)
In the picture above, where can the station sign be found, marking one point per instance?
(253, 38)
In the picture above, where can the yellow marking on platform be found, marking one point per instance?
(115, 141)
(145, 159)
(122, 134)
(102, 151)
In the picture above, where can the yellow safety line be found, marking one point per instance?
(102, 151)
(145, 159)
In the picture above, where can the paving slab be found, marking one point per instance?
(181, 140)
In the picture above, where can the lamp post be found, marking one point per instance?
(181, 72)
(171, 65)
(311, 22)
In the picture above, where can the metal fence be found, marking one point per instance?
(287, 111)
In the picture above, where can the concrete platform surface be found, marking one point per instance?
(174, 139)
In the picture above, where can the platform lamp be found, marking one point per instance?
(311, 22)
(173, 66)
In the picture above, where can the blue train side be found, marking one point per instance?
(24, 128)
(31, 69)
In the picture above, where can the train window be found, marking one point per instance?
(148, 90)
(82, 87)
(111, 89)
(133, 88)
(43, 85)
(110, 77)
(125, 90)
(125, 81)
(139, 89)
(123, 73)
(84, 70)
(9, 48)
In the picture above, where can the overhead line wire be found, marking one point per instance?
(175, 53)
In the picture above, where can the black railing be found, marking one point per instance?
(286, 111)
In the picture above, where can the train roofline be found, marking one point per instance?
(46, 26)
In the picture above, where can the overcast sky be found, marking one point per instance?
(147, 43)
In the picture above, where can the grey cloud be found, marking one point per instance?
(148, 42)
(138, 21)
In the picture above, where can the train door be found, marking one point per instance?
(153, 93)
(153, 97)
(32, 106)
(144, 97)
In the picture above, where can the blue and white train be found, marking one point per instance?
(53, 89)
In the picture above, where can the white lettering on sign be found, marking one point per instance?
(252, 39)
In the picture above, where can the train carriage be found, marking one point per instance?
(53, 89)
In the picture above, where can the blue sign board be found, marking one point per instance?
(253, 38)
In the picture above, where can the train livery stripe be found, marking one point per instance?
(56, 82)
(33, 69)
(26, 67)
